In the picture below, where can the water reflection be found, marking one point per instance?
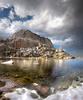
(40, 63)
(43, 69)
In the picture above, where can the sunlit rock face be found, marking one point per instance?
(26, 38)
(25, 94)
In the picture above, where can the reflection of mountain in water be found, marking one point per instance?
(31, 70)
(48, 71)
(41, 65)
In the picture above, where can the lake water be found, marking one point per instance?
(56, 73)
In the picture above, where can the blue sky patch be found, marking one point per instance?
(5, 12)
(18, 18)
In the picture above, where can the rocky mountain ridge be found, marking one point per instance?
(25, 43)
(26, 38)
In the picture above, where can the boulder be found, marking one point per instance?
(43, 90)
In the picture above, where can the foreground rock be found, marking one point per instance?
(8, 85)
(69, 94)
(22, 94)
(25, 94)
(43, 90)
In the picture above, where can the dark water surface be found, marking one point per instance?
(58, 73)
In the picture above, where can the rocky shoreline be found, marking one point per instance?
(8, 85)
(26, 94)
(43, 92)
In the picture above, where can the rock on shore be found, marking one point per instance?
(25, 94)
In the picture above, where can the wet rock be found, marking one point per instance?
(4, 98)
(34, 94)
(43, 90)
(16, 76)
(52, 90)
(63, 85)
(2, 83)
(22, 94)
(80, 79)
(69, 94)
(75, 83)
(1, 94)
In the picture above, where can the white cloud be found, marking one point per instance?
(7, 27)
(46, 22)
(65, 0)
(4, 23)
(22, 12)
(62, 42)
(3, 5)
(40, 21)
(68, 40)
(45, 19)
(57, 22)
(22, 7)
(11, 15)
(15, 26)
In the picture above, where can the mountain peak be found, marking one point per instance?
(29, 39)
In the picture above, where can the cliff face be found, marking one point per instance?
(29, 45)
(26, 38)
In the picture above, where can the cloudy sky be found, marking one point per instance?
(59, 20)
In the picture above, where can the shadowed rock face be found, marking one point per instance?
(26, 38)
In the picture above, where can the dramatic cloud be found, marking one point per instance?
(11, 14)
(62, 42)
(59, 20)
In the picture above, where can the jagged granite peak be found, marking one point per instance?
(26, 38)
